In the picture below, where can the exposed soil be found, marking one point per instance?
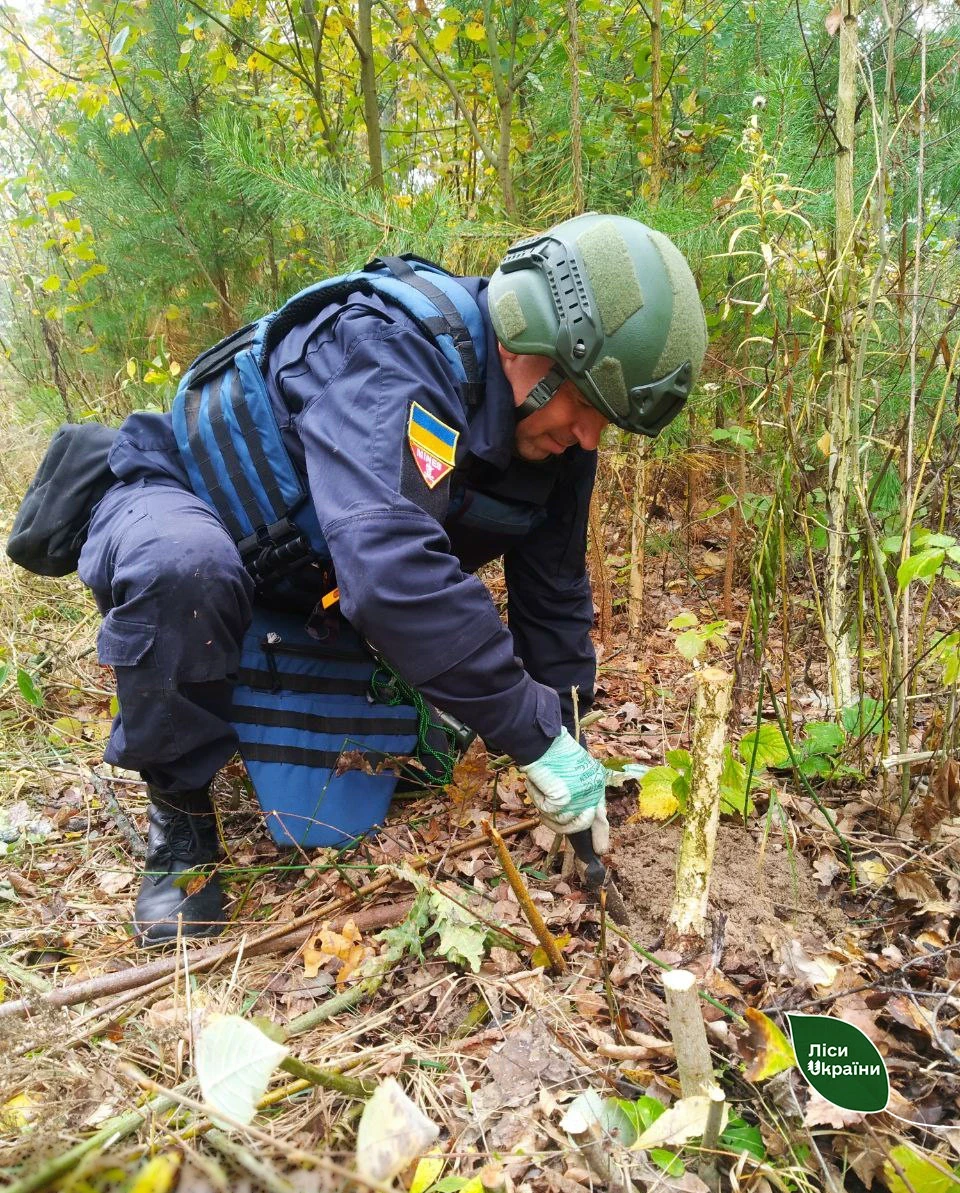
(760, 894)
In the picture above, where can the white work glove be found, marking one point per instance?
(567, 785)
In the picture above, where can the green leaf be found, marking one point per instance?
(919, 567)
(892, 544)
(765, 746)
(4, 672)
(822, 737)
(734, 796)
(920, 1175)
(928, 538)
(866, 716)
(670, 1162)
(58, 197)
(51, 283)
(741, 1137)
(691, 644)
(642, 1112)
(683, 621)
(28, 689)
(840, 1062)
(235, 1062)
(461, 937)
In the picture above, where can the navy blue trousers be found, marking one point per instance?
(176, 602)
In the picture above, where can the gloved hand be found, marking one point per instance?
(568, 785)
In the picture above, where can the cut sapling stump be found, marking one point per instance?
(689, 1035)
(687, 929)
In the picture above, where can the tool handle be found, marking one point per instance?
(582, 843)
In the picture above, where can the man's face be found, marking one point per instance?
(565, 420)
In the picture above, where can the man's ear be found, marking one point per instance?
(506, 356)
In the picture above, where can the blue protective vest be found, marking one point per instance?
(311, 736)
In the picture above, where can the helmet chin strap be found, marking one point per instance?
(541, 393)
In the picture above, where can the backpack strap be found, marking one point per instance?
(448, 322)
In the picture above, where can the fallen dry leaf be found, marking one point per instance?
(821, 1113)
(327, 945)
(798, 964)
(765, 1048)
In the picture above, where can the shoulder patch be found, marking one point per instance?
(432, 443)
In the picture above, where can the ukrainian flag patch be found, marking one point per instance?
(433, 444)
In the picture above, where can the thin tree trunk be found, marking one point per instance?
(576, 127)
(688, 917)
(602, 595)
(368, 89)
(656, 113)
(843, 436)
(638, 537)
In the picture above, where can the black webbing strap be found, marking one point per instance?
(254, 442)
(455, 326)
(221, 502)
(213, 360)
(289, 718)
(298, 756)
(267, 681)
(541, 393)
(228, 451)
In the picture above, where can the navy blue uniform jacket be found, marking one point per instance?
(405, 553)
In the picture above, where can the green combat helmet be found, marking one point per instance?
(614, 305)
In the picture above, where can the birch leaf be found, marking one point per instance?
(393, 1132)
(684, 1120)
(235, 1062)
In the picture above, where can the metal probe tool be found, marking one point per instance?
(599, 877)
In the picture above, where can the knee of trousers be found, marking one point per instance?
(181, 620)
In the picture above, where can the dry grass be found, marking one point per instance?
(492, 1057)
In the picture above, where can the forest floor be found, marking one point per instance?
(822, 902)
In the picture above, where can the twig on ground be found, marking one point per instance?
(138, 847)
(283, 938)
(519, 887)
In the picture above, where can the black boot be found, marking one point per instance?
(181, 845)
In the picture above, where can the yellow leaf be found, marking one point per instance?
(428, 1171)
(445, 38)
(474, 31)
(171, 313)
(131, 368)
(767, 1048)
(18, 1113)
(158, 1175)
(871, 872)
(540, 954)
(51, 283)
(327, 945)
(824, 443)
(658, 804)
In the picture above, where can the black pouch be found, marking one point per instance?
(51, 525)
